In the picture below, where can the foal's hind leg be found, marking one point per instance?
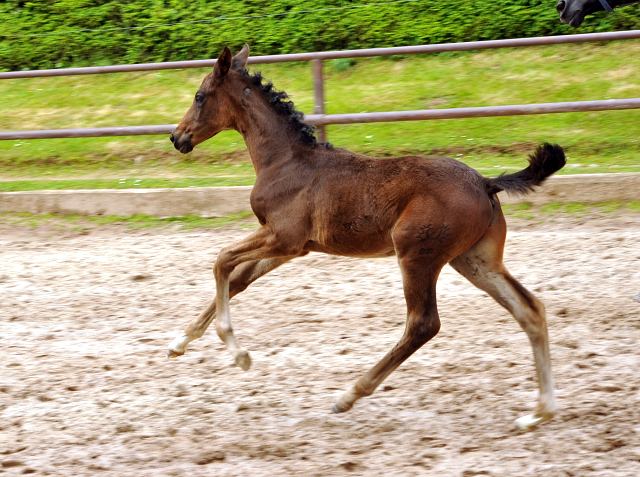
(243, 276)
(422, 251)
(482, 265)
(423, 323)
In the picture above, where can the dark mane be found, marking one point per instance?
(281, 104)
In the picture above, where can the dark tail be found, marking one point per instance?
(546, 160)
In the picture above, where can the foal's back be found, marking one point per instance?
(356, 201)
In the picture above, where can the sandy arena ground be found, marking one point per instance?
(85, 388)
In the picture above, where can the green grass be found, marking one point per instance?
(124, 183)
(80, 222)
(522, 210)
(595, 141)
(572, 209)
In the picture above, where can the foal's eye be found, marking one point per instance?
(199, 98)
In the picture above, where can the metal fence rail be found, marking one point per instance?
(319, 118)
(324, 119)
(88, 132)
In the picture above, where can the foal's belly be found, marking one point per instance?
(369, 252)
(352, 244)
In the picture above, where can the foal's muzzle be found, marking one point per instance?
(182, 142)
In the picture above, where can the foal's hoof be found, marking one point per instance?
(528, 422)
(178, 346)
(243, 359)
(173, 354)
(338, 409)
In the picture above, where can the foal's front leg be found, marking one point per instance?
(261, 245)
(243, 276)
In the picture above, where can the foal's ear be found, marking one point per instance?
(223, 64)
(240, 60)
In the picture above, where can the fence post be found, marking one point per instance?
(318, 86)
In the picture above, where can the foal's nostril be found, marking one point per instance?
(171, 138)
(561, 6)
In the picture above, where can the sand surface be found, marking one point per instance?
(85, 388)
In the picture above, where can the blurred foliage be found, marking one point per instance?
(410, 23)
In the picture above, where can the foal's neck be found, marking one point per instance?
(271, 141)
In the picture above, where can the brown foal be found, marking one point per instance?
(310, 197)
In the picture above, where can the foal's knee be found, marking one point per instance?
(223, 330)
(223, 264)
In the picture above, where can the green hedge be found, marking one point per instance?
(411, 23)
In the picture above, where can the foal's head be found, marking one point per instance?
(572, 12)
(225, 96)
(213, 107)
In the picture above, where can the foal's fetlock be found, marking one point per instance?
(243, 359)
(362, 388)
